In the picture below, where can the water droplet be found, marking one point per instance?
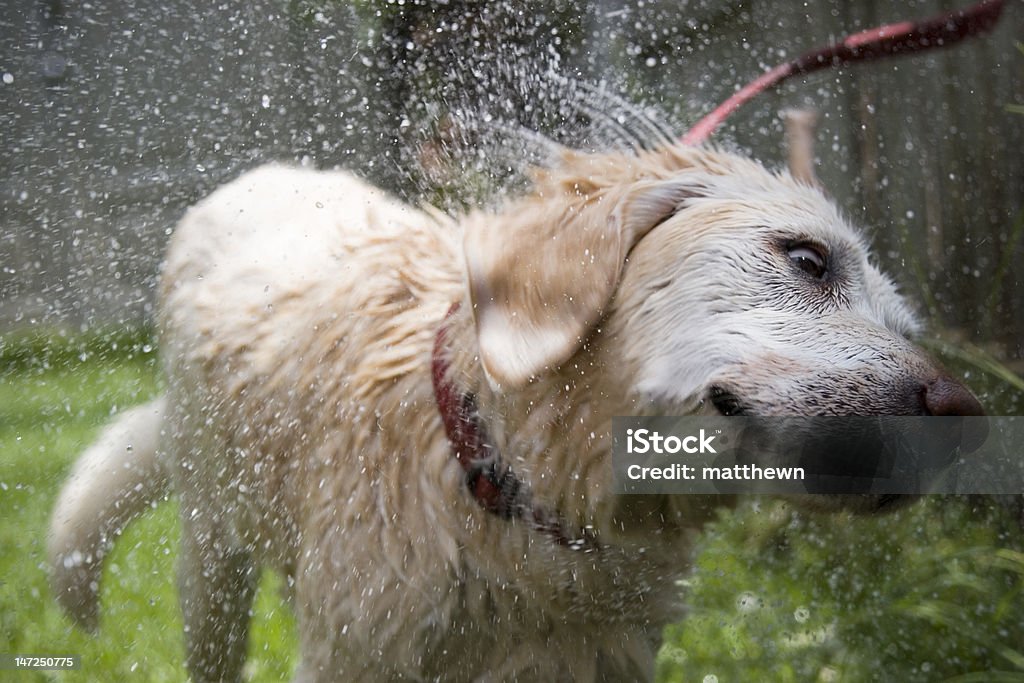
(747, 602)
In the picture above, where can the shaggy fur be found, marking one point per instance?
(298, 310)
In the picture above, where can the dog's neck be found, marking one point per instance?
(490, 480)
(491, 430)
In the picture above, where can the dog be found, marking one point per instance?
(409, 415)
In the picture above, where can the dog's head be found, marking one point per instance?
(716, 286)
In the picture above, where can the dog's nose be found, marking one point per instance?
(945, 396)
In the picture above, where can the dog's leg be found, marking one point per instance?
(216, 586)
(217, 574)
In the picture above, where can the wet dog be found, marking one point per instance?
(410, 415)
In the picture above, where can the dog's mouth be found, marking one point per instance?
(726, 402)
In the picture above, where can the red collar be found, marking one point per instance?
(491, 481)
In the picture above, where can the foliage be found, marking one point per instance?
(930, 593)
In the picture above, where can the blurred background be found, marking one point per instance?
(115, 117)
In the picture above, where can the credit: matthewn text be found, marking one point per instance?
(818, 455)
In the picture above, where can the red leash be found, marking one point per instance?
(883, 41)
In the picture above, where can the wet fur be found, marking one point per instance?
(298, 311)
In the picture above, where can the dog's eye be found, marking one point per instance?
(809, 259)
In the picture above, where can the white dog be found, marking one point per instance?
(410, 416)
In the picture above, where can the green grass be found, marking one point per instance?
(52, 405)
(930, 593)
(934, 592)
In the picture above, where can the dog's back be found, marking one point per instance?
(285, 284)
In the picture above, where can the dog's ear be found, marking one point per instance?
(541, 277)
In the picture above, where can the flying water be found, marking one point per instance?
(479, 143)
